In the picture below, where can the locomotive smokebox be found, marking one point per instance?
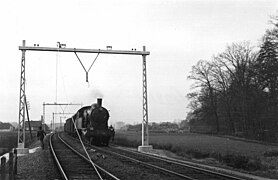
(99, 102)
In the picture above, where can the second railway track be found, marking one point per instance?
(74, 165)
(171, 166)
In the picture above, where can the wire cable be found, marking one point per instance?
(56, 93)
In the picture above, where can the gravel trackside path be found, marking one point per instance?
(37, 165)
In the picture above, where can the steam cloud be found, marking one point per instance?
(96, 93)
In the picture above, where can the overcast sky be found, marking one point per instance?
(177, 33)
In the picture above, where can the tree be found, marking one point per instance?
(223, 82)
(201, 73)
(237, 60)
(225, 85)
(266, 69)
(238, 89)
(267, 63)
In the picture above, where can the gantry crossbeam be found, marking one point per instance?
(101, 51)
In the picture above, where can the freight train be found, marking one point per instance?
(91, 123)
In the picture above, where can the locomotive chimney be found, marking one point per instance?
(99, 102)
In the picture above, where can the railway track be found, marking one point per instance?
(167, 168)
(74, 165)
(171, 167)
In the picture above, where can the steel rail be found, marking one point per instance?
(64, 176)
(182, 163)
(86, 159)
(147, 164)
(80, 140)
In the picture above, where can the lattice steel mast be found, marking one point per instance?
(145, 129)
(21, 118)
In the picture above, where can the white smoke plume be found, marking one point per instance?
(96, 93)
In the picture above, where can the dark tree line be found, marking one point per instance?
(236, 92)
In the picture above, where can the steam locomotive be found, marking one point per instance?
(91, 123)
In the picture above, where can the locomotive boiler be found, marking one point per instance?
(91, 122)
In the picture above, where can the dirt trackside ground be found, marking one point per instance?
(38, 164)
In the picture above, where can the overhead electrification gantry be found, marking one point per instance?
(61, 48)
(57, 104)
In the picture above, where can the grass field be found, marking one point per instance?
(252, 157)
(8, 140)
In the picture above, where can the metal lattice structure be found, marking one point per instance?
(57, 104)
(144, 53)
(145, 129)
(21, 118)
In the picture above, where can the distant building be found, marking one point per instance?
(6, 127)
(45, 127)
(34, 125)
